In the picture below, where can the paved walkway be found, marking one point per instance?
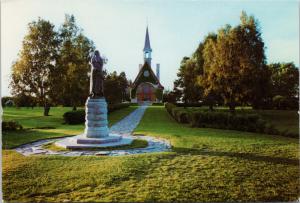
(129, 123)
(124, 127)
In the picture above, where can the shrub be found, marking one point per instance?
(189, 104)
(220, 120)
(157, 104)
(169, 107)
(11, 126)
(182, 116)
(179, 114)
(74, 117)
(113, 107)
(226, 120)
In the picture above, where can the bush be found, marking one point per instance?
(7, 101)
(221, 120)
(11, 126)
(180, 115)
(169, 107)
(157, 104)
(78, 116)
(189, 104)
(113, 107)
(226, 120)
(74, 117)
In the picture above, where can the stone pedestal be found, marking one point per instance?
(96, 133)
(96, 118)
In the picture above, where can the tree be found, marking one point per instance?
(115, 87)
(284, 85)
(210, 96)
(234, 62)
(24, 100)
(37, 59)
(73, 64)
(7, 101)
(186, 84)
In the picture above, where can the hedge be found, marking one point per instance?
(78, 116)
(226, 120)
(189, 104)
(157, 104)
(221, 120)
(74, 117)
(113, 107)
(11, 126)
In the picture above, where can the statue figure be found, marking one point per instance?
(97, 77)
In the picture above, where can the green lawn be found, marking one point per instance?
(33, 121)
(205, 165)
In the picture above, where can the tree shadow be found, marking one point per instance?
(246, 156)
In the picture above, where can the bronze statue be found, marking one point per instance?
(97, 77)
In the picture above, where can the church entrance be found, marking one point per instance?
(146, 92)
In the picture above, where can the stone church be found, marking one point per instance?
(146, 86)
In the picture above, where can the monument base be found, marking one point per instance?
(82, 142)
(96, 133)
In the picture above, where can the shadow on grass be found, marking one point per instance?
(247, 156)
(13, 139)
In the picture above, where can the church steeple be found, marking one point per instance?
(147, 48)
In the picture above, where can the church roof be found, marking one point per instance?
(147, 46)
(140, 77)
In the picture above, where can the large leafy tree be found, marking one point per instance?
(31, 72)
(234, 62)
(73, 64)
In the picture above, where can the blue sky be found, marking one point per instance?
(175, 26)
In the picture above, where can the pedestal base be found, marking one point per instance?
(96, 133)
(81, 142)
(96, 118)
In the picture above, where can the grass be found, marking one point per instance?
(136, 143)
(206, 165)
(33, 121)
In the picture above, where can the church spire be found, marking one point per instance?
(147, 49)
(147, 46)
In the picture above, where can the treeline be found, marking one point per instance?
(53, 67)
(230, 68)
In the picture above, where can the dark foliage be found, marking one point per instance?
(74, 117)
(223, 120)
(114, 107)
(11, 126)
(188, 104)
(78, 116)
(157, 104)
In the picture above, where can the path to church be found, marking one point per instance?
(124, 127)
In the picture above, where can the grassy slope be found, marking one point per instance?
(206, 165)
(34, 119)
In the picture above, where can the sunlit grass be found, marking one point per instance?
(206, 165)
(32, 120)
